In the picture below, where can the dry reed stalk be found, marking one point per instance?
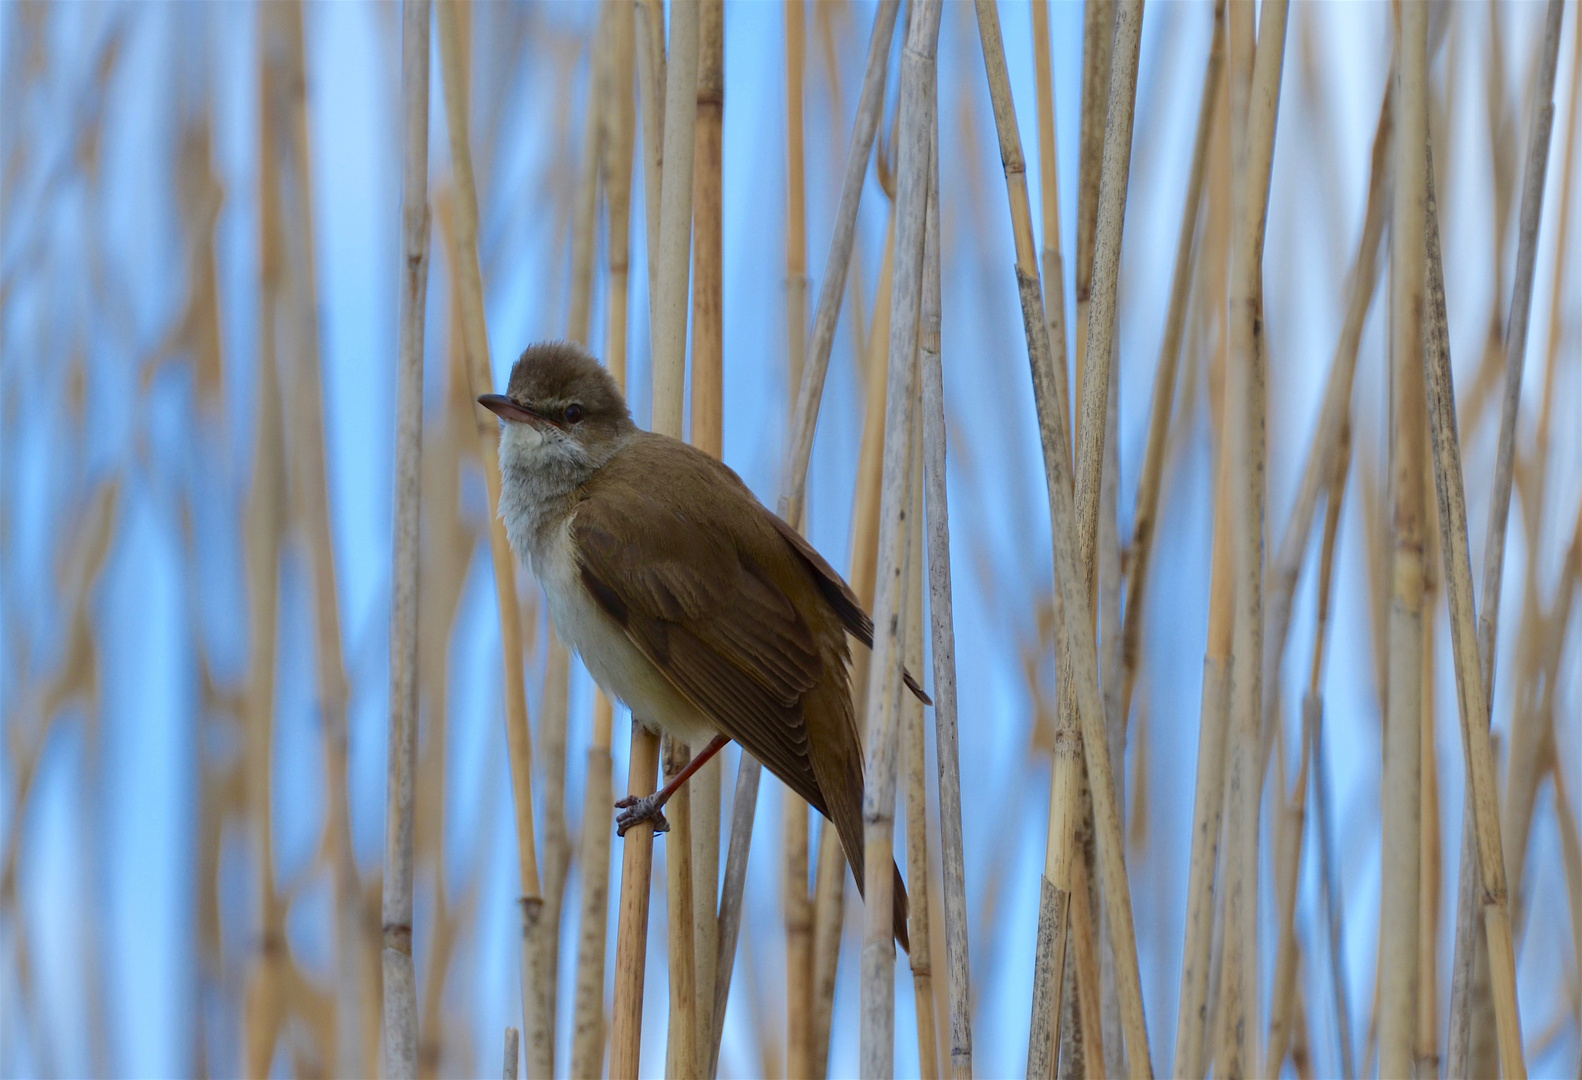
(1076, 608)
(400, 983)
(1098, 24)
(869, 106)
(1425, 1046)
(681, 1052)
(513, 1053)
(748, 774)
(1401, 783)
(1096, 489)
(265, 1003)
(1198, 956)
(1084, 933)
(1470, 693)
(917, 118)
(914, 751)
(708, 350)
(650, 47)
(1148, 485)
(943, 638)
(1054, 271)
(1244, 413)
(587, 1047)
(454, 67)
(1288, 860)
(794, 810)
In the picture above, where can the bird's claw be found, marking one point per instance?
(635, 810)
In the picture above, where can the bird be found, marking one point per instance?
(687, 599)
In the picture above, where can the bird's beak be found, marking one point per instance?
(506, 409)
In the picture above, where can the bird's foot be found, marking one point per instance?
(635, 811)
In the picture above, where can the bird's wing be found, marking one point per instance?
(708, 617)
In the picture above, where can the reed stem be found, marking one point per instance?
(400, 981)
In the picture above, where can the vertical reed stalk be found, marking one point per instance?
(681, 1054)
(454, 67)
(1244, 409)
(400, 982)
(513, 1053)
(1098, 25)
(708, 349)
(917, 118)
(914, 750)
(1402, 777)
(943, 638)
(1470, 692)
(1054, 271)
(794, 811)
(265, 1003)
(1197, 963)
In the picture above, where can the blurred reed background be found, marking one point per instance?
(203, 260)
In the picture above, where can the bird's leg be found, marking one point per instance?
(637, 809)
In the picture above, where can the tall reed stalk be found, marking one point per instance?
(1402, 776)
(400, 982)
(917, 118)
(708, 348)
(794, 810)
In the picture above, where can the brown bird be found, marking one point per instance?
(709, 616)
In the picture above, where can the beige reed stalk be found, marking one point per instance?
(615, 147)
(1076, 618)
(513, 1053)
(1483, 802)
(1093, 426)
(1054, 270)
(708, 351)
(797, 903)
(943, 638)
(914, 752)
(1401, 784)
(1148, 486)
(1192, 1016)
(914, 144)
(1515, 347)
(454, 67)
(400, 980)
(1098, 23)
(650, 47)
(265, 1002)
(1244, 410)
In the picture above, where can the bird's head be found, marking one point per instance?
(563, 413)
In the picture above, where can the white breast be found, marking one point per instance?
(617, 665)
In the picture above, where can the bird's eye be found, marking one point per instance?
(573, 413)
